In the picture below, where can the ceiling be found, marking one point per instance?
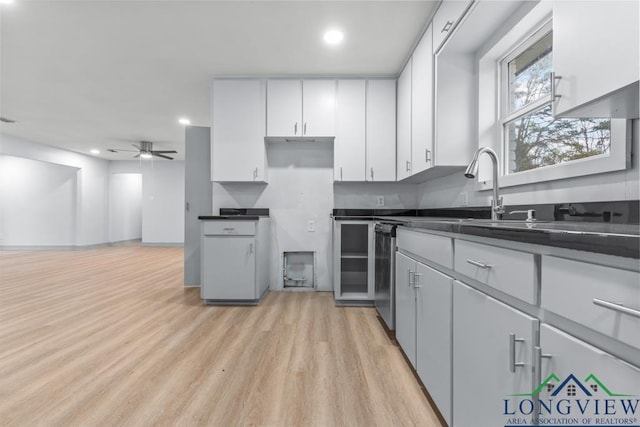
(106, 74)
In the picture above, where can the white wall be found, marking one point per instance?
(162, 199)
(37, 203)
(622, 185)
(92, 184)
(125, 207)
(364, 195)
(300, 189)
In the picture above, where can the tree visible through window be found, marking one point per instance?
(534, 138)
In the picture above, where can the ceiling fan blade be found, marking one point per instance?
(155, 153)
(117, 150)
(136, 156)
(164, 151)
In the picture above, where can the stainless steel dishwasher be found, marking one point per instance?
(385, 262)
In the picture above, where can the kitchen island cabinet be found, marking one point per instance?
(235, 256)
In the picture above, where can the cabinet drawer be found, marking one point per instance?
(438, 249)
(569, 289)
(224, 228)
(512, 272)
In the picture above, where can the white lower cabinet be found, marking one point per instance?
(433, 335)
(406, 306)
(601, 374)
(492, 356)
(423, 326)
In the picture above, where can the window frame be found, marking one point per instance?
(492, 102)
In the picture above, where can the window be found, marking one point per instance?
(532, 137)
(571, 390)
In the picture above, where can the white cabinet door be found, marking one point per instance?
(433, 335)
(229, 268)
(381, 130)
(349, 145)
(403, 167)
(237, 151)
(284, 108)
(406, 306)
(482, 356)
(319, 108)
(422, 105)
(596, 52)
(592, 368)
(445, 20)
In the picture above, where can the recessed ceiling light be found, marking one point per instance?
(184, 121)
(333, 37)
(6, 1)
(94, 151)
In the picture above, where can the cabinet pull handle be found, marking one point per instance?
(479, 264)
(250, 248)
(340, 173)
(408, 166)
(512, 352)
(411, 278)
(416, 280)
(304, 129)
(446, 27)
(617, 307)
(255, 174)
(537, 363)
(295, 128)
(371, 174)
(426, 155)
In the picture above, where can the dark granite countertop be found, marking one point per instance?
(229, 217)
(598, 237)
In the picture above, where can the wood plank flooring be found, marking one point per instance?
(109, 336)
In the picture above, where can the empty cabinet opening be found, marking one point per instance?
(354, 263)
(299, 270)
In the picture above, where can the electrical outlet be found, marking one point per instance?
(311, 225)
(464, 199)
(380, 201)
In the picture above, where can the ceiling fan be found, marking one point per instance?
(145, 150)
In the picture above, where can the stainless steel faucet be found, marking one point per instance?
(472, 170)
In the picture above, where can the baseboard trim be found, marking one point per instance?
(169, 244)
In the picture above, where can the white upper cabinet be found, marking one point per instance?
(403, 131)
(446, 18)
(381, 130)
(350, 146)
(318, 108)
(237, 149)
(422, 104)
(301, 108)
(596, 58)
(284, 108)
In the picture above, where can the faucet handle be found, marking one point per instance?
(531, 214)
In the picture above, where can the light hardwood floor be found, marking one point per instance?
(109, 337)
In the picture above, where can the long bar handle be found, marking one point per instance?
(371, 174)
(250, 248)
(416, 280)
(427, 152)
(446, 27)
(295, 128)
(479, 264)
(411, 277)
(408, 165)
(617, 307)
(304, 129)
(537, 363)
(512, 352)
